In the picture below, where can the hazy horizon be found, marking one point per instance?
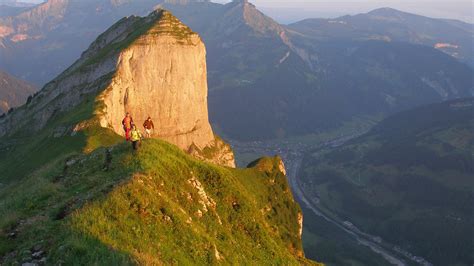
(292, 11)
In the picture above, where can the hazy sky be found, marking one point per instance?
(291, 10)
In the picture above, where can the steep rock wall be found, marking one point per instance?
(165, 77)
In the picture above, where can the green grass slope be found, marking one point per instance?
(410, 181)
(156, 206)
(81, 198)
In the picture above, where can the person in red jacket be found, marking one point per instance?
(127, 124)
(149, 127)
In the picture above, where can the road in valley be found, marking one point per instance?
(302, 198)
(292, 156)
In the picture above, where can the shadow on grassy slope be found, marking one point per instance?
(113, 206)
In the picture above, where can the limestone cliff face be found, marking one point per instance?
(152, 66)
(163, 75)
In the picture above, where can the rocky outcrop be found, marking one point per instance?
(269, 165)
(152, 66)
(217, 152)
(13, 91)
(274, 170)
(162, 74)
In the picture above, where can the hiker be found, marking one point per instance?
(127, 123)
(135, 137)
(149, 127)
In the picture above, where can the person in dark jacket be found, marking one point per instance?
(149, 127)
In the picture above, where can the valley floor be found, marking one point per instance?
(293, 156)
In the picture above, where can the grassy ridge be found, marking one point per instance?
(113, 206)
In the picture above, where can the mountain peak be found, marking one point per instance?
(241, 1)
(384, 10)
(165, 23)
(185, 2)
(389, 12)
(244, 4)
(47, 9)
(242, 12)
(134, 30)
(146, 66)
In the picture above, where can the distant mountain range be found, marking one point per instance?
(408, 181)
(390, 25)
(16, 3)
(13, 8)
(303, 85)
(301, 79)
(13, 91)
(39, 43)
